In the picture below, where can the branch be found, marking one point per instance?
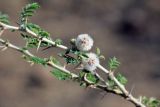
(27, 53)
(5, 26)
(124, 93)
(51, 64)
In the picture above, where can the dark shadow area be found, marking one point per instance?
(34, 81)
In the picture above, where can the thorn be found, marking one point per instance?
(18, 23)
(31, 64)
(140, 99)
(99, 77)
(65, 66)
(39, 44)
(130, 92)
(79, 66)
(1, 32)
(23, 56)
(4, 48)
(92, 86)
(48, 47)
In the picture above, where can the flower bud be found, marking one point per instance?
(84, 42)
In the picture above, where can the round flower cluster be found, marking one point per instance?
(91, 62)
(84, 42)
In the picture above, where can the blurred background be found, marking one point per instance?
(127, 29)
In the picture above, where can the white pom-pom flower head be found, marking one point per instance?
(90, 63)
(84, 42)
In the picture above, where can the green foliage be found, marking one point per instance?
(120, 78)
(60, 74)
(91, 78)
(81, 74)
(36, 60)
(82, 55)
(112, 86)
(28, 11)
(73, 56)
(69, 59)
(98, 52)
(33, 27)
(32, 42)
(54, 60)
(83, 84)
(4, 18)
(150, 102)
(113, 63)
(58, 42)
(80, 79)
(72, 41)
(38, 30)
(76, 52)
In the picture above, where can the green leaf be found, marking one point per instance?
(69, 59)
(38, 30)
(98, 51)
(150, 102)
(32, 42)
(83, 84)
(72, 41)
(121, 79)
(4, 18)
(91, 78)
(60, 75)
(35, 60)
(113, 63)
(58, 42)
(54, 60)
(81, 55)
(102, 57)
(28, 11)
(43, 33)
(112, 85)
(81, 74)
(33, 27)
(38, 60)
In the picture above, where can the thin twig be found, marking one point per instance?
(27, 53)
